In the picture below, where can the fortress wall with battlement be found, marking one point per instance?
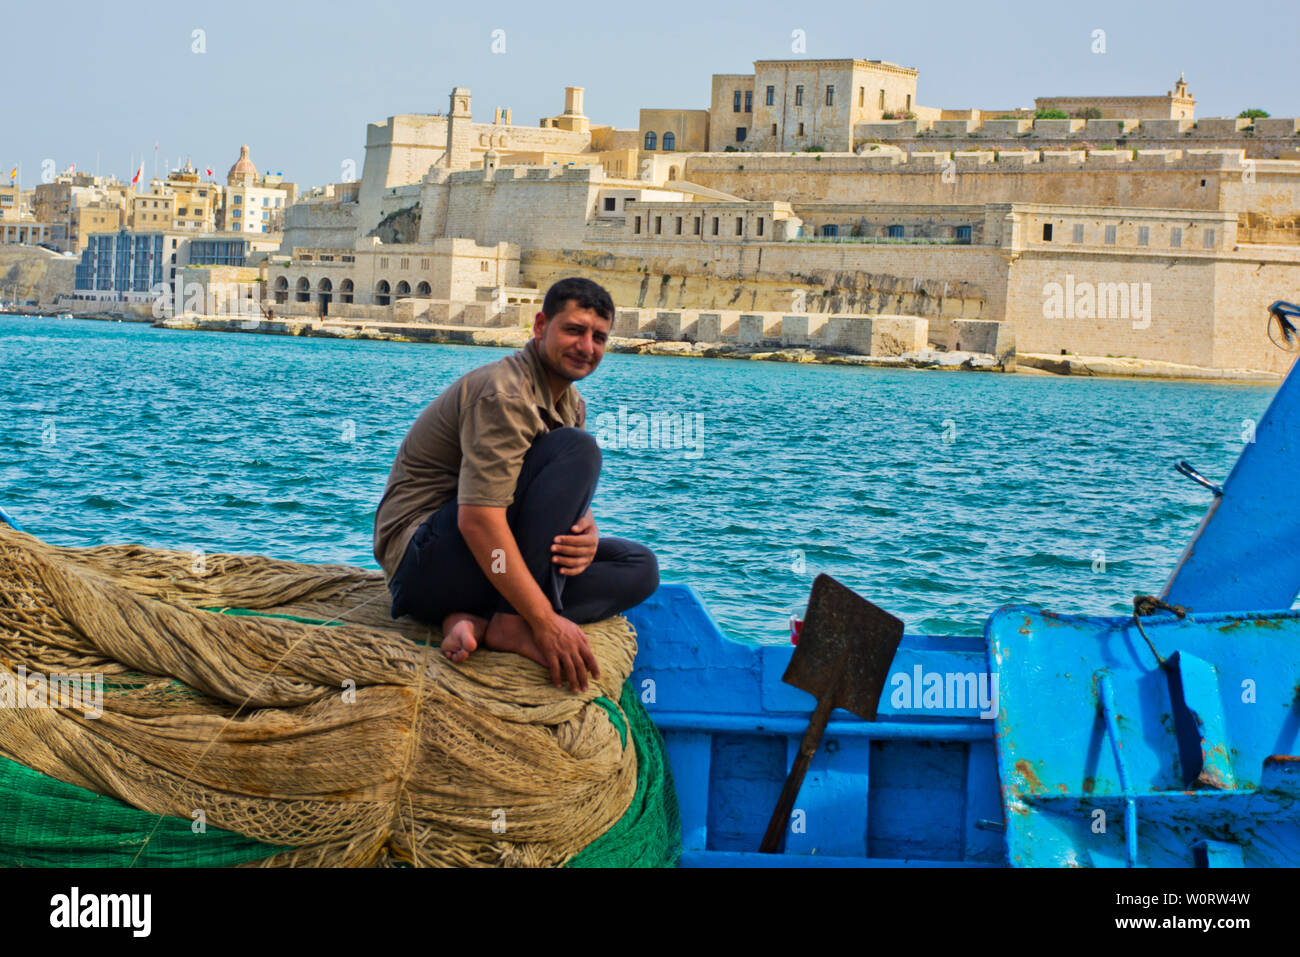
(1211, 179)
(547, 207)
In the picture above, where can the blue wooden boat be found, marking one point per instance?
(1053, 740)
(1169, 738)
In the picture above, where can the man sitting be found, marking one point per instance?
(485, 526)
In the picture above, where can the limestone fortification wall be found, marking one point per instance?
(319, 225)
(546, 207)
(932, 282)
(1154, 179)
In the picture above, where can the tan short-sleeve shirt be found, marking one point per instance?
(469, 444)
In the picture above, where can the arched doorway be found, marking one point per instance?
(345, 290)
(324, 294)
(382, 291)
(304, 290)
(281, 291)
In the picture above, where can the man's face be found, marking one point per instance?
(572, 342)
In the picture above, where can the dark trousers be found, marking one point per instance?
(438, 574)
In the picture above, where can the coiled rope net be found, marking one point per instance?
(353, 743)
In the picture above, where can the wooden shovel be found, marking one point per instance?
(845, 649)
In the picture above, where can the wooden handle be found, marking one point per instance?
(807, 748)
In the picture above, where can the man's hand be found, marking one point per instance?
(568, 655)
(573, 553)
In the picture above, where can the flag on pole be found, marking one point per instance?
(209, 170)
(14, 173)
(138, 173)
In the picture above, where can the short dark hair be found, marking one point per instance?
(584, 293)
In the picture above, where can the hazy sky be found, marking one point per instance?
(97, 84)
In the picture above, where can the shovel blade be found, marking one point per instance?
(845, 649)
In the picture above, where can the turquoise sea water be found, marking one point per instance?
(939, 496)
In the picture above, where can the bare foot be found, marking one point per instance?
(461, 634)
(511, 633)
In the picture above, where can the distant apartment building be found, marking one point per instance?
(154, 210)
(58, 204)
(127, 266)
(196, 201)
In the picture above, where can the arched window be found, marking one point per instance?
(325, 286)
(650, 140)
(304, 290)
(403, 288)
(281, 290)
(381, 293)
(423, 290)
(670, 142)
(345, 290)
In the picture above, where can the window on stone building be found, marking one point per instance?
(636, 227)
(670, 142)
(483, 266)
(610, 203)
(740, 225)
(424, 264)
(715, 225)
(962, 234)
(1176, 236)
(1047, 232)
(801, 129)
(830, 230)
(1207, 239)
(740, 133)
(1078, 232)
(650, 140)
(907, 102)
(830, 96)
(774, 129)
(735, 102)
(679, 225)
(760, 226)
(895, 232)
(882, 99)
(406, 264)
(1110, 235)
(749, 101)
(862, 96)
(771, 95)
(383, 262)
(659, 225)
(798, 95)
(1144, 235)
(697, 225)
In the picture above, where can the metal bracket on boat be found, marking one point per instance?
(1106, 698)
(1199, 722)
(1185, 468)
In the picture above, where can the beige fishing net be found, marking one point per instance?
(351, 744)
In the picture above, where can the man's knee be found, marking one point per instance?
(576, 448)
(575, 442)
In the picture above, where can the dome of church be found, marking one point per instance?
(243, 173)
